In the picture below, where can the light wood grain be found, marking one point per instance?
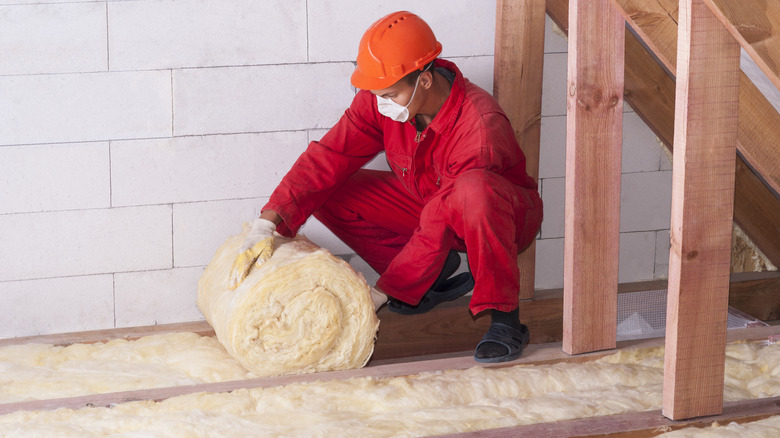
(702, 205)
(593, 153)
(517, 85)
(649, 90)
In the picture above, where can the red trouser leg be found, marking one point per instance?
(373, 214)
(496, 220)
(493, 217)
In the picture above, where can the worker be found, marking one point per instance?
(457, 183)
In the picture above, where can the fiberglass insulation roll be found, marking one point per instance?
(302, 311)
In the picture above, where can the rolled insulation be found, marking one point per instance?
(302, 311)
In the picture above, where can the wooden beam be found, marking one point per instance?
(756, 294)
(635, 424)
(702, 214)
(655, 22)
(650, 92)
(451, 329)
(517, 85)
(535, 354)
(593, 148)
(754, 24)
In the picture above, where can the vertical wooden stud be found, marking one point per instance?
(517, 85)
(593, 149)
(705, 139)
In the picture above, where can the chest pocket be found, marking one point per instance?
(400, 165)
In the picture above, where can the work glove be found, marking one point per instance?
(379, 298)
(256, 249)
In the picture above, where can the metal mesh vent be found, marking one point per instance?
(643, 315)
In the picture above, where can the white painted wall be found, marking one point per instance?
(136, 135)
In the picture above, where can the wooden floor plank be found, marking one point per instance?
(634, 425)
(535, 354)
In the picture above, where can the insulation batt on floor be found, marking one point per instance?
(418, 405)
(302, 311)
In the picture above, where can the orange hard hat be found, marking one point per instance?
(393, 47)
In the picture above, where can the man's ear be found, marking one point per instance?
(426, 79)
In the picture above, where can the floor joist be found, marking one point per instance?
(534, 354)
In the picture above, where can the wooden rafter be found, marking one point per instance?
(754, 24)
(650, 92)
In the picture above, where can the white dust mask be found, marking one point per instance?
(397, 112)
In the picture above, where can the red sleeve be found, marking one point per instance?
(326, 164)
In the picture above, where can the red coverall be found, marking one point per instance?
(459, 184)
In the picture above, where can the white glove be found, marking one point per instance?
(378, 297)
(256, 250)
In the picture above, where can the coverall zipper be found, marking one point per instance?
(402, 169)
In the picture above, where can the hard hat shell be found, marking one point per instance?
(394, 46)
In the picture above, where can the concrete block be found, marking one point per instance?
(315, 231)
(759, 79)
(666, 157)
(54, 177)
(157, 297)
(377, 163)
(549, 264)
(662, 246)
(478, 70)
(199, 228)
(553, 196)
(316, 134)
(351, 18)
(645, 201)
(56, 305)
(552, 147)
(360, 265)
(554, 84)
(640, 149)
(53, 38)
(84, 107)
(159, 34)
(553, 41)
(187, 169)
(260, 99)
(637, 256)
(83, 242)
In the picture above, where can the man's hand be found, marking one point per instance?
(256, 249)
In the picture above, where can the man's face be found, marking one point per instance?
(400, 93)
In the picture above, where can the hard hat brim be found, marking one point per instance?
(366, 82)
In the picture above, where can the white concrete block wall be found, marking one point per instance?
(645, 185)
(135, 136)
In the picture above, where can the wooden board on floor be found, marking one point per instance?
(636, 424)
(535, 354)
(702, 205)
(594, 131)
(519, 47)
(451, 328)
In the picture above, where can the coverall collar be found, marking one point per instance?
(445, 119)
